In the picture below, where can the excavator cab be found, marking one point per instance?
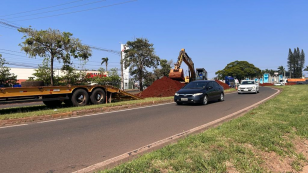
(201, 74)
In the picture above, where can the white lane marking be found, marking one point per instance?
(104, 113)
(126, 155)
(4, 127)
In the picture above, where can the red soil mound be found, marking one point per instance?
(225, 86)
(163, 87)
(266, 84)
(291, 83)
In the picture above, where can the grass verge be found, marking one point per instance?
(270, 138)
(41, 110)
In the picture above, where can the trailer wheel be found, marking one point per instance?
(80, 97)
(53, 103)
(98, 96)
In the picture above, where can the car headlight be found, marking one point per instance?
(197, 94)
(176, 94)
(253, 87)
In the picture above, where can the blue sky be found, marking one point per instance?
(214, 33)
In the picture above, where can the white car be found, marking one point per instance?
(248, 86)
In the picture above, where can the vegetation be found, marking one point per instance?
(53, 44)
(139, 56)
(296, 61)
(240, 70)
(105, 60)
(113, 77)
(263, 140)
(164, 70)
(6, 78)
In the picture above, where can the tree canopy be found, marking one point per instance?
(296, 61)
(239, 70)
(139, 56)
(53, 44)
(6, 78)
(105, 60)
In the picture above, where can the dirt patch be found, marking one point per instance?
(266, 84)
(163, 87)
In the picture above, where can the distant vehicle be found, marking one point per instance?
(200, 91)
(248, 86)
(230, 81)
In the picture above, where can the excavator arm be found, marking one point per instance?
(177, 73)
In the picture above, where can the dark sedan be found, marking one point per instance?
(199, 92)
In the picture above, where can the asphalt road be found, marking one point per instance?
(72, 144)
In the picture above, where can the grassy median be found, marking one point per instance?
(32, 111)
(270, 138)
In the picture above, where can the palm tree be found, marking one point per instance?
(281, 69)
(105, 60)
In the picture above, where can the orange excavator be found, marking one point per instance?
(178, 74)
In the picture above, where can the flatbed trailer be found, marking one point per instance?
(71, 95)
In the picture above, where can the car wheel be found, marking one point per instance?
(179, 103)
(222, 97)
(205, 100)
(258, 91)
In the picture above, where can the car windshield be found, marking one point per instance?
(195, 85)
(248, 82)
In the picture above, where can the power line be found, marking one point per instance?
(125, 2)
(9, 25)
(57, 9)
(41, 8)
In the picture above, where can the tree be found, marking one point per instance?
(42, 73)
(105, 60)
(281, 70)
(6, 78)
(139, 56)
(296, 61)
(73, 76)
(240, 70)
(53, 44)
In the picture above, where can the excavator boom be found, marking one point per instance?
(177, 73)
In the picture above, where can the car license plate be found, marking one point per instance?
(245, 89)
(184, 99)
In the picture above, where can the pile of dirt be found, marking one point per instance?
(266, 84)
(163, 87)
(224, 85)
(291, 83)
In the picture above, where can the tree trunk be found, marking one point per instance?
(51, 68)
(140, 81)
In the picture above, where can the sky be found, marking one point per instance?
(213, 32)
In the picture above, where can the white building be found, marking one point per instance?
(125, 71)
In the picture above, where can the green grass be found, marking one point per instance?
(241, 142)
(30, 111)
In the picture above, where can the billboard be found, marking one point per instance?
(125, 71)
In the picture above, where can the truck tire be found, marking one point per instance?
(80, 97)
(98, 96)
(53, 103)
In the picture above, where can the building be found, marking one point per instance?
(125, 81)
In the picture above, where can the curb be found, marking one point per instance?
(110, 163)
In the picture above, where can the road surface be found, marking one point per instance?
(72, 144)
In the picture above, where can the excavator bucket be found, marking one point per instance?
(177, 74)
